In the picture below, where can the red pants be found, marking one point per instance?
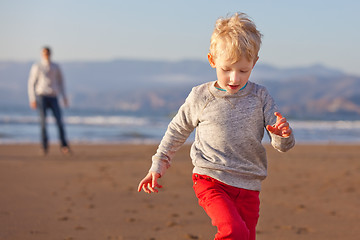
(234, 211)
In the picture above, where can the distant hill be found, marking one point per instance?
(122, 85)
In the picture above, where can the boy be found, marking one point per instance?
(230, 116)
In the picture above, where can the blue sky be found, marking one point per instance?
(296, 33)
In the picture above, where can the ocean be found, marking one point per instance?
(22, 126)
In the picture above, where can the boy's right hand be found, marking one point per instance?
(149, 183)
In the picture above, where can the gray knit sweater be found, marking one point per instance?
(229, 131)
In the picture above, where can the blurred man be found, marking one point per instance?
(44, 86)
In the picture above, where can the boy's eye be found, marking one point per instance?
(225, 69)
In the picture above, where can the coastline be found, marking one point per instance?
(311, 192)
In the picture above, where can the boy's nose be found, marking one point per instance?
(234, 78)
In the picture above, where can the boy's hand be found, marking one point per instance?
(281, 127)
(149, 183)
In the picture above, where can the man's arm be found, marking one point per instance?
(33, 76)
(61, 83)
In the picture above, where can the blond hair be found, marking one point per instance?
(235, 37)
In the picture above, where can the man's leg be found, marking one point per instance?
(42, 106)
(54, 105)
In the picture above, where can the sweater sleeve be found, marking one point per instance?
(61, 82)
(33, 77)
(282, 144)
(179, 129)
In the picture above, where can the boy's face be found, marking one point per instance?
(231, 76)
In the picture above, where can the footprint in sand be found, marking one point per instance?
(131, 220)
(333, 213)
(191, 236)
(302, 230)
(69, 199)
(172, 224)
(150, 205)
(175, 215)
(64, 218)
(91, 206)
(80, 228)
(300, 208)
(350, 189)
(157, 229)
(4, 213)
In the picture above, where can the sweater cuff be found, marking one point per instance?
(159, 166)
(282, 144)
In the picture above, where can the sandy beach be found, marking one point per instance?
(312, 192)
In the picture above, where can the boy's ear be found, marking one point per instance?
(255, 61)
(211, 60)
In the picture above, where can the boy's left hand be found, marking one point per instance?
(281, 127)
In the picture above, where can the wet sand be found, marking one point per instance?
(312, 192)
